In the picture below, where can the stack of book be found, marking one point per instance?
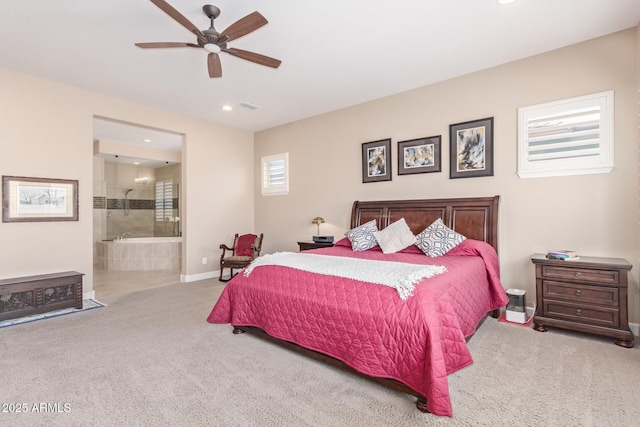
(563, 255)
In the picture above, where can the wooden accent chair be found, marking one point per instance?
(245, 249)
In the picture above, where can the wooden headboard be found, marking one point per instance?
(474, 217)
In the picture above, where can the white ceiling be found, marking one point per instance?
(334, 53)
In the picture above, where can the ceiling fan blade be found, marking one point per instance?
(213, 64)
(156, 45)
(254, 57)
(245, 25)
(172, 12)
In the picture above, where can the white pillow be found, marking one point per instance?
(362, 237)
(438, 239)
(395, 237)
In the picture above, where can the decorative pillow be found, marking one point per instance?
(362, 237)
(243, 247)
(395, 237)
(438, 239)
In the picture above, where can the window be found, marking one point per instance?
(275, 174)
(164, 200)
(568, 137)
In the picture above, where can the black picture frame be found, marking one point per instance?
(420, 155)
(376, 161)
(471, 149)
(27, 199)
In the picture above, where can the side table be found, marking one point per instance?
(588, 294)
(305, 246)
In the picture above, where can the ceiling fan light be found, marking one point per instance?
(212, 48)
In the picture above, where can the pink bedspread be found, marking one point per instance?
(417, 342)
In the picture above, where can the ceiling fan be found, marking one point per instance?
(214, 42)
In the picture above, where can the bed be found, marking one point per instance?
(411, 344)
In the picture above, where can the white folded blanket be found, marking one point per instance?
(399, 275)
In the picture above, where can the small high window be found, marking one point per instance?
(568, 137)
(275, 174)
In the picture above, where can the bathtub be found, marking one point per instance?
(140, 254)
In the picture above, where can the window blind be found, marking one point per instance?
(164, 200)
(574, 134)
(567, 137)
(275, 174)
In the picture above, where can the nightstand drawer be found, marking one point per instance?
(583, 314)
(598, 295)
(608, 277)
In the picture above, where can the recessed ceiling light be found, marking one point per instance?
(136, 163)
(227, 107)
(505, 1)
(146, 140)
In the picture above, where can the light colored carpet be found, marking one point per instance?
(151, 359)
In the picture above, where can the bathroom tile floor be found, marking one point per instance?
(110, 285)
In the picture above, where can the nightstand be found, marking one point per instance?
(305, 246)
(587, 295)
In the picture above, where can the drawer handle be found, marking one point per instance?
(579, 312)
(578, 274)
(578, 292)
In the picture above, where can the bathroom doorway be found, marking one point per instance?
(137, 207)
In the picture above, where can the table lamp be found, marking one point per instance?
(318, 238)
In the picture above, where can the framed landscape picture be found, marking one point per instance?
(376, 161)
(471, 151)
(420, 155)
(39, 199)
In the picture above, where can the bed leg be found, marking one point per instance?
(237, 331)
(421, 404)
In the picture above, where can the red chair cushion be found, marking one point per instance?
(243, 247)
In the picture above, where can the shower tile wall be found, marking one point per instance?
(139, 217)
(111, 218)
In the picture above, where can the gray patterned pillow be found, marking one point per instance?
(438, 239)
(362, 237)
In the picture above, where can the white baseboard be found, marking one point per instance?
(200, 276)
(89, 295)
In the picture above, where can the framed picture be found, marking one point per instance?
(376, 161)
(471, 152)
(420, 155)
(39, 199)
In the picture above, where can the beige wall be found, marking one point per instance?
(594, 214)
(47, 132)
